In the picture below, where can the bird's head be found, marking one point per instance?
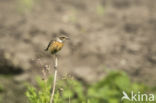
(62, 38)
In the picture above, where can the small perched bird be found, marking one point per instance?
(56, 45)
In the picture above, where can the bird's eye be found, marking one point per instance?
(62, 38)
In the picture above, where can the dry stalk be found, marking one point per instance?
(54, 81)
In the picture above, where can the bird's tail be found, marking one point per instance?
(48, 46)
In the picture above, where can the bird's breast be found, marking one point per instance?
(56, 46)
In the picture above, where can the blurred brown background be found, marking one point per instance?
(104, 35)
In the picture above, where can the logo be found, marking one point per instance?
(138, 97)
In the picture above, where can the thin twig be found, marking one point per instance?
(69, 99)
(54, 82)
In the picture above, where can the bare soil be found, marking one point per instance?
(104, 35)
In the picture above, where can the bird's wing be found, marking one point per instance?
(48, 45)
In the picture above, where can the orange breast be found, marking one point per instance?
(55, 47)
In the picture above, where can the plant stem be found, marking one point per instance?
(54, 82)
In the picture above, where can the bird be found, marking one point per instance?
(56, 45)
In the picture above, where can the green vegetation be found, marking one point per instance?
(100, 10)
(1, 88)
(108, 90)
(26, 5)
